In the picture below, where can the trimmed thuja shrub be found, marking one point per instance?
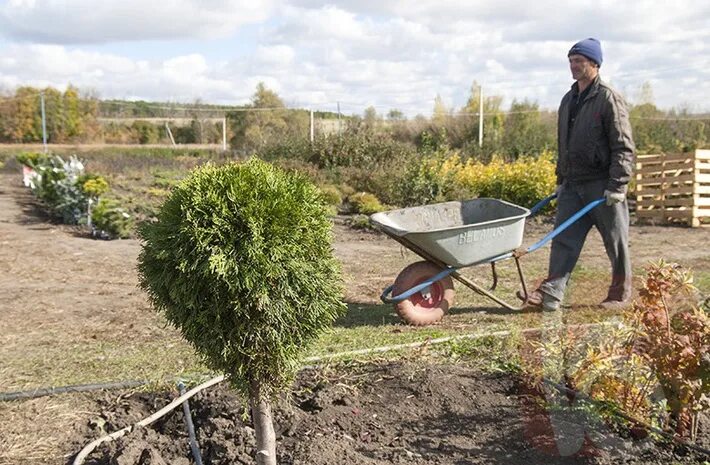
(240, 261)
(109, 220)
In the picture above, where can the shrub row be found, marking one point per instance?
(397, 175)
(74, 197)
(446, 176)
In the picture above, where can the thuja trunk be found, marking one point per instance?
(263, 426)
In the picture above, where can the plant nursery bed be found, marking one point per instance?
(382, 414)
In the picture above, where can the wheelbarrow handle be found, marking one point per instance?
(564, 225)
(542, 203)
(386, 298)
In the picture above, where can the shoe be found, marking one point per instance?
(534, 297)
(610, 304)
(537, 298)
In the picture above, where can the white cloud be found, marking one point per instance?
(392, 54)
(181, 78)
(275, 54)
(186, 67)
(87, 21)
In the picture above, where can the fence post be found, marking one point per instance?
(224, 133)
(312, 129)
(170, 133)
(44, 122)
(480, 116)
(340, 128)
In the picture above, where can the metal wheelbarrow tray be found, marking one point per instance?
(458, 233)
(453, 235)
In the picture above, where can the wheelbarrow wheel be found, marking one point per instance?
(427, 306)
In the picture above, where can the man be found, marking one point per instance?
(595, 160)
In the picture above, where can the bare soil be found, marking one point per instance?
(63, 290)
(384, 414)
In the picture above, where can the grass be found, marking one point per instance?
(53, 361)
(63, 365)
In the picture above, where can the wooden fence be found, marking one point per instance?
(674, 188)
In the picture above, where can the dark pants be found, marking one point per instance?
(612, 222)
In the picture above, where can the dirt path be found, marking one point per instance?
(57, 283)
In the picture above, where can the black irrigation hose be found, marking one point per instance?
(576, 394)
(194, 447)
(41, 392)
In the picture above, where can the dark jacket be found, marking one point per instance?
(600, 145)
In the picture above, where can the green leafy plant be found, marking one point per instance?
(109, 220)
(331, 195)
(32, 159)
(365, 203)
(240, 261)
(432, 178)
(93, 185)
(444, 176)
(361, 222)
(58, 188)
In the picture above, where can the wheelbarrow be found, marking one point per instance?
(454, 235)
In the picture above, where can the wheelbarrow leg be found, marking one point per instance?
(495, 277)
(476, 288)
(522, 277)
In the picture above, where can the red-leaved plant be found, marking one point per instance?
(673, 336)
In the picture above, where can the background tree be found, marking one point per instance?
(265, 120)
(23, 121)
(369, 118)
(240, 261)
(89, 110)
(73, 119)
(492, 124)
(440, 114)
(645, 96)
(664, 131)
(395, 115)
(525, 133)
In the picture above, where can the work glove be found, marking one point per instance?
(614, 197)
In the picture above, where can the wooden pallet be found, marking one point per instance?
(674, 188)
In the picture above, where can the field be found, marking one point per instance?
(72, 314)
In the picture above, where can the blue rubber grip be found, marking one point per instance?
(542, 204)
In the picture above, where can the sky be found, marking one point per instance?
(352, 54)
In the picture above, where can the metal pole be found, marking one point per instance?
(44, 123)
(480, 116)
(312, 131)
(340, 128)
(224, 133)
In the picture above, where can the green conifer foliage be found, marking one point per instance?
(240, 261)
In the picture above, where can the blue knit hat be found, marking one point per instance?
(590, 48)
